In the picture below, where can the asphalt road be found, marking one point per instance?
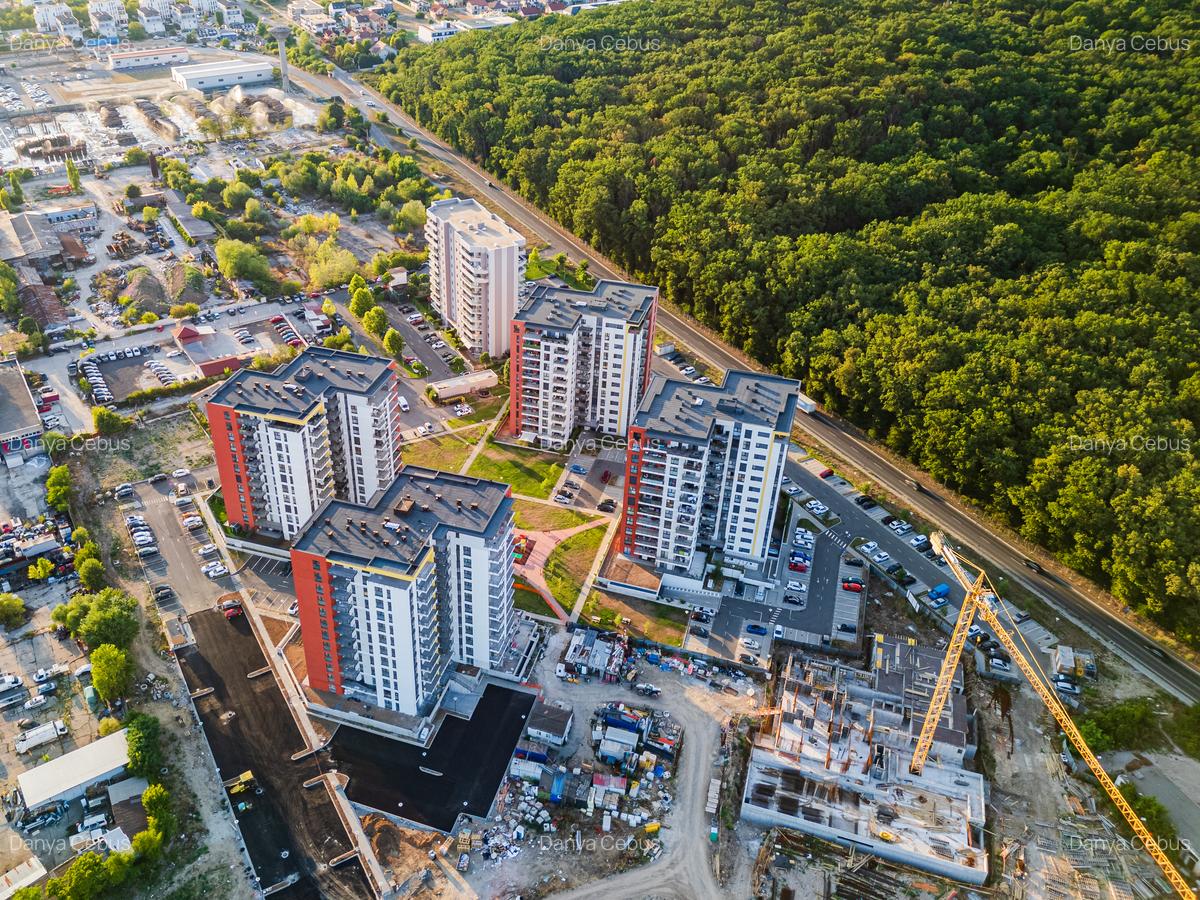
(961, 525)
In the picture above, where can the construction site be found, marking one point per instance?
(832, 760)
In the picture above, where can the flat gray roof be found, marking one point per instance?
(475, 224)
(561, 307)
(18, 412)
(391, 531)
(683, 409)
(312, 373)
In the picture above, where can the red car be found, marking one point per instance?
(233, 612)
(798, 567)
(277, 319)
(852, 587)
(825, 473)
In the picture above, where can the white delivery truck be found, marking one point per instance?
(43, 734)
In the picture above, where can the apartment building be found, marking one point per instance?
(230, 13)
(324, 425)
(183, 17)
(704, 467)
(395, 592)
(580, 359)
(108, 17)
(151, 20)
(476, 264)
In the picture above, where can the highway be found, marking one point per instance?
(1096, 614)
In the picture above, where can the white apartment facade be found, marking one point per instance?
(476, 266)
(231, 13)
(324, 425)
(108, 17)
(704, 468)
(151, 20)
(580, 360)
(393, 593)
(183, 17)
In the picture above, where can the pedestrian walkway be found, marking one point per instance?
(534, 568)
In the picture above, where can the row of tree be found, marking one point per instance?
(958, 229)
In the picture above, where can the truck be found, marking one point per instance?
(806, 404)
(43, 734)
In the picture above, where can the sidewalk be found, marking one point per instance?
(533, 569)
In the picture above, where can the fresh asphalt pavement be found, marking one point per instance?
(291, 832)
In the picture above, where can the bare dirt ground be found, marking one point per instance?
(161, 446)
(685, 868)
(404, 855)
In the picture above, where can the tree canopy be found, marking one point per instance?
(960, 231)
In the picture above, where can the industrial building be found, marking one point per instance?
(143, 59)
(323, 425)
(221, 75)
(20, 424)
(394, 592)
(832, 757)
(580, 359)
(67, 777)
(476, 264)
(704, 467)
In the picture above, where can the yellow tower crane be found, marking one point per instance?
(984, 601)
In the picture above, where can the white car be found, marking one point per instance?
(193, 522)
(881, 557)
(820, 509)
(751, 644)
(143, 540)
(791, 490)
(211, 565)
(181, 473)
(207, 549)
(565, 501)
(917, 541)
(812, 504)
(796, 586)
(869, 547)
(217, 572)
(36, 702)
(294, 608)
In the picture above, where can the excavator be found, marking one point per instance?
(983, 601)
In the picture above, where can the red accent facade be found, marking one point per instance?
(650, 332)
(515, 364)
(633, 452)
(309, 570)
(222, 438)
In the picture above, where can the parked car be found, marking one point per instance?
(755, 628)
(751, 644)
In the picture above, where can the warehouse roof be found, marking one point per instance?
(393, 531)
(299, 384)
(88, 764)
(18, 412)
(561, 307)
(683, 409)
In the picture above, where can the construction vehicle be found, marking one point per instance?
(984, 601)
(243, 782)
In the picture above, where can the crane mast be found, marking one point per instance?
(979, 602)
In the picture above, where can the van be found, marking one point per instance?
(16, 700)
(99, 820)
(85, 669)
(404, 407)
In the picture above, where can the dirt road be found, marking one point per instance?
(685, 869)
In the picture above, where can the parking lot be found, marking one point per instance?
(270, 584)
(600, 480)
(132, 369)
(415, 344)
(291, 832)
(177, 562)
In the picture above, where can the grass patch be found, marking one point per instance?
(529, 600)
(528, 471)
(652, 621)
(447, 452)
(532, 516)
(483, 409)
(158, 447)
(569, 564)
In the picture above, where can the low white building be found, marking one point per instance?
(70, 775)
(436, 32)
(45, 16)
(220, 75)
(144, 59)
(183, 17)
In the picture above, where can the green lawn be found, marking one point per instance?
(531, 601)
(532, 516)
(653, 621)
(569, 564)
(446, 452)
(538, 267)
(528, 471)
(483, 409)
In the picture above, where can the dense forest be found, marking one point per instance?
(964, 226)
